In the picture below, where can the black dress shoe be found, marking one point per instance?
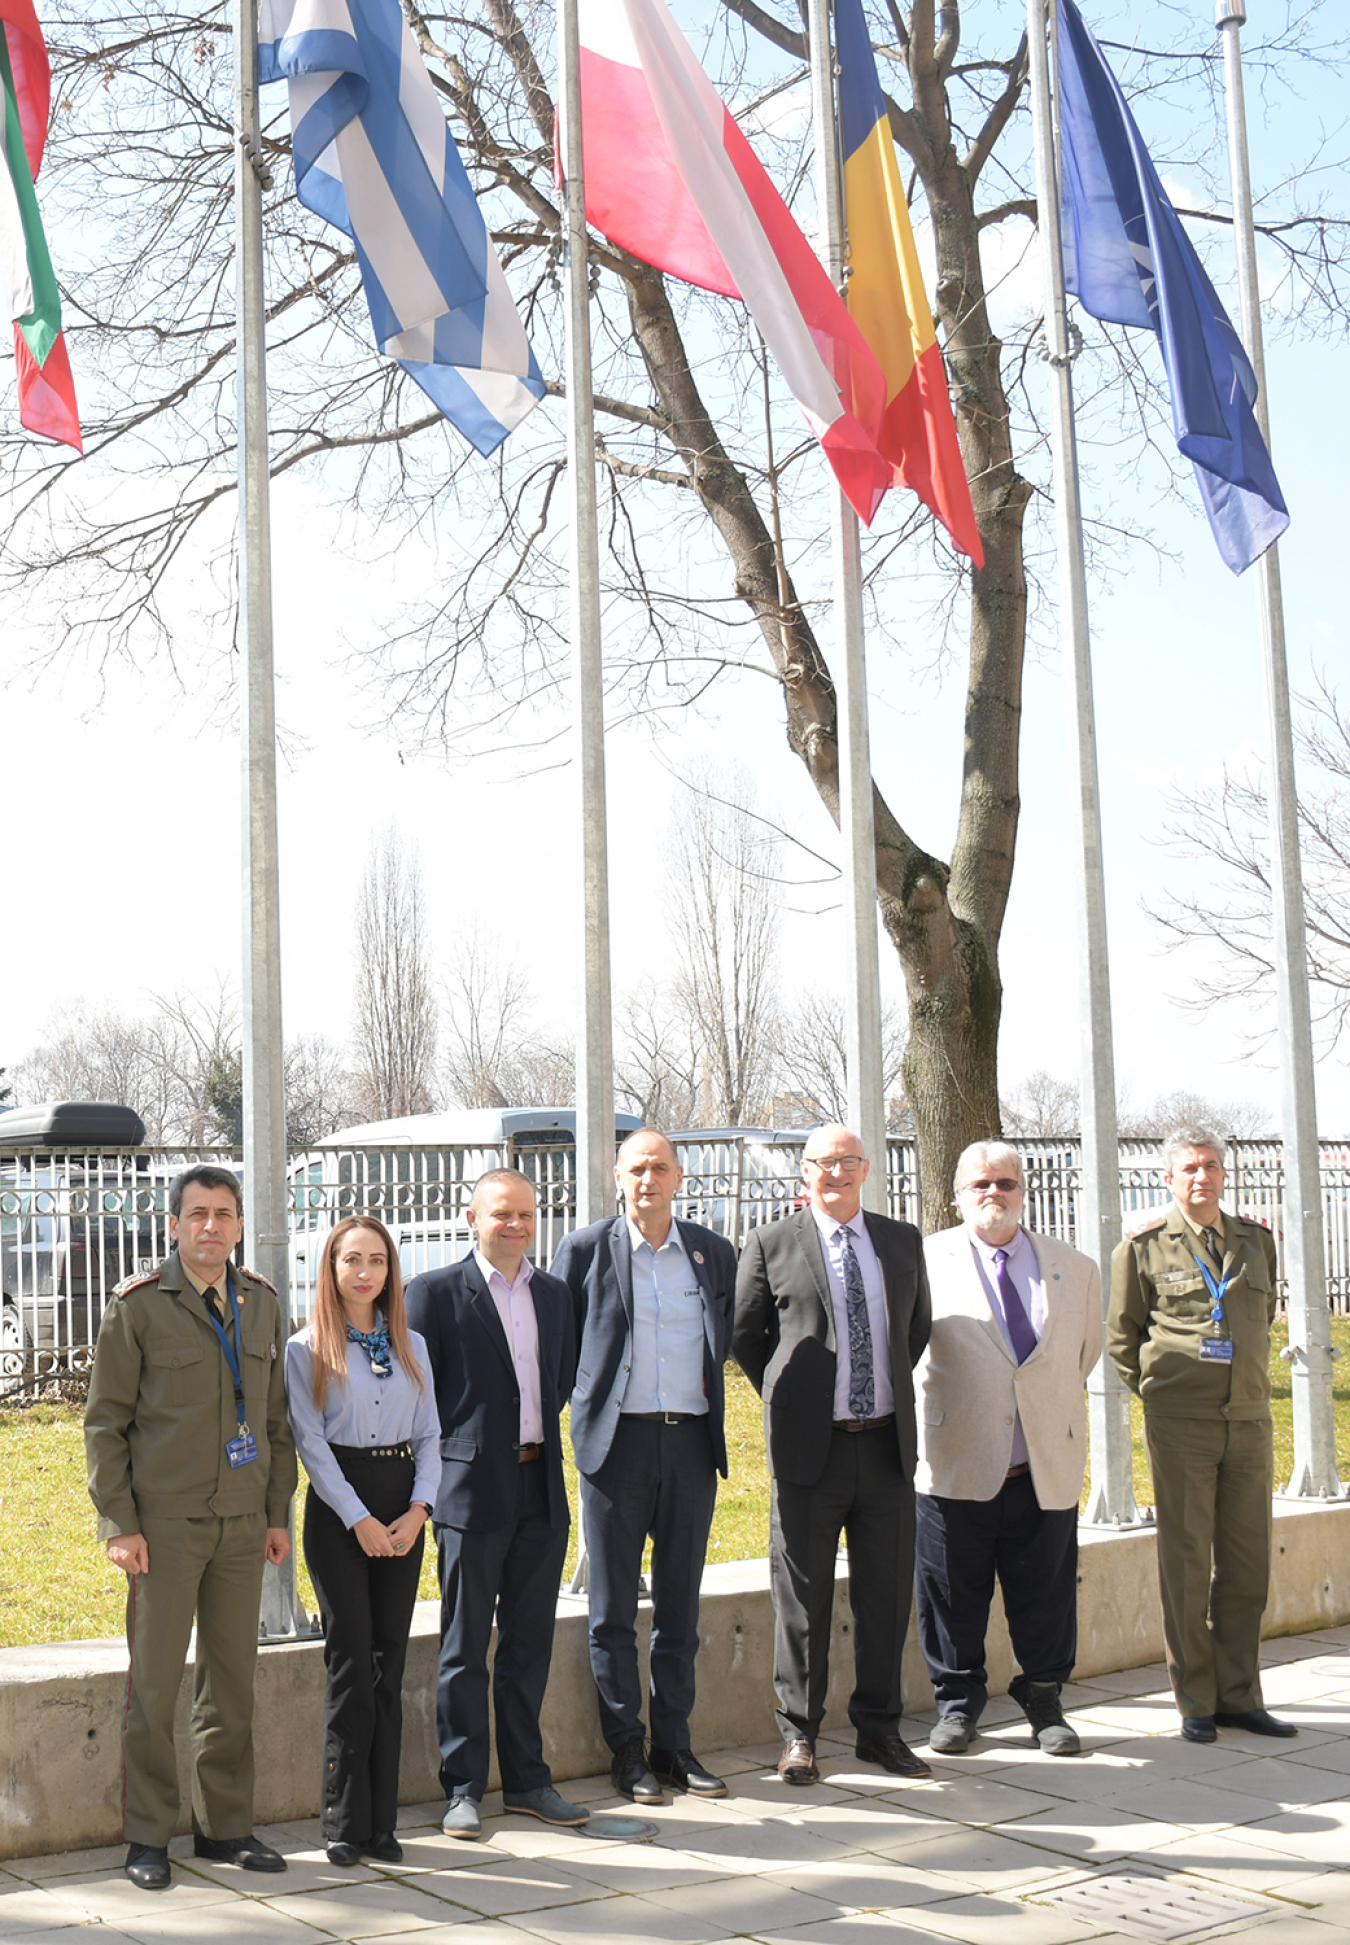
(797, 1764)
(632, 1777)
(893, 1755)
(1199, 1728)
(682, 1769)
(344, 1854)
(250, 1851)
(1260, 1722)
(384, 1847)
(147, 1866)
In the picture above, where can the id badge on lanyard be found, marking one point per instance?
(1215, 1349)
(241, 1450)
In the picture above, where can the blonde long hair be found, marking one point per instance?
(329, 1344)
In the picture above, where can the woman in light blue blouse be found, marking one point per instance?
(364, 1412)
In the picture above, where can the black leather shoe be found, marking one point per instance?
(147, 1866)
(682, 1769)
(1260, 1722)
(893, 1755)
(1199, 1728)
(384, 1847)
(343, 1854)
(632, 1777)
(251, 1852)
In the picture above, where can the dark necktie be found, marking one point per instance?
(862, 1388)
(211, 1298)
(1213, 1245)
(1020, 1333)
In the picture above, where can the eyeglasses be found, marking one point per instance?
(1005, 1184)
(835, 1164)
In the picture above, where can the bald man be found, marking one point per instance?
(832, 1315)
(653, 1298)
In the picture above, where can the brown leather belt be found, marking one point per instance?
(529, 1453)
(863, 1424)
(1016, 1472)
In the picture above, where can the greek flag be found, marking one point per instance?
(375, 158)
(1128, 260)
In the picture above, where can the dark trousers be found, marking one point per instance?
(513, 1571)
(961, 1545)
(863, 1493)
(657, 1480)
(367, 1607)
(1212, 1484)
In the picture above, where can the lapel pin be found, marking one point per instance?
(698, 1256)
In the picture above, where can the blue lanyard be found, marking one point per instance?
(1217, 1291)
(232, 1351)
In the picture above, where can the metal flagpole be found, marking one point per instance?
(862, 972)
(1111, 1491)
(595, 1059)
(264, 1116)
(1310, 1351)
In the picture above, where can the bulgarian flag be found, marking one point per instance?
(670, 177)
(887, 298)
(46, 389)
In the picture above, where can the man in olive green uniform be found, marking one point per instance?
(191, 1469)
(1192, 1300)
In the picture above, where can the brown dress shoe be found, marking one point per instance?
(797, 1764)
(893, 1755)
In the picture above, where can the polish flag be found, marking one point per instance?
(671, 178)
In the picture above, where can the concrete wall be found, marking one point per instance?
(61, 1705)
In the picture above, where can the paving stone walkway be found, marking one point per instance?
(1144, 1836)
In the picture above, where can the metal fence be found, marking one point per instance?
(73, 1225)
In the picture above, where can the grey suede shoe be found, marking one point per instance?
(461, 1818)
(545, 1804)
(952, 1735)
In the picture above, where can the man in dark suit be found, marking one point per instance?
(500, 1338)
(832, 1315)
(653, 1301)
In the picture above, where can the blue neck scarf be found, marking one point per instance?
(375, 1344)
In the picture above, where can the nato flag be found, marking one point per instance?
(1128, 260)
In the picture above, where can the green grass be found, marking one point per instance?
(56, 1585)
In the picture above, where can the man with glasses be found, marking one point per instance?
(1017, 1326)
(1193, 1296)
(831, 1318)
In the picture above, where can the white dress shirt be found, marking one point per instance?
(874, 1288)
(515, 1307)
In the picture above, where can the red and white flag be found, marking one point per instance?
(670, 177)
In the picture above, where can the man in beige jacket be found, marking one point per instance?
(1017, 1326)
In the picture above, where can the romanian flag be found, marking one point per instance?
(887, 297)
(27, 281)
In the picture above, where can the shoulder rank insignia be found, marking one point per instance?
(136, 1281)
(255, 1278)
(1149, 1224)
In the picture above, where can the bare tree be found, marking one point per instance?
(1183, 1107)
(495, 1054)
(656, 1059)
(1041, 1104)
(723, 915)
(395, 1010)
(812, 1070)
(320, 1090)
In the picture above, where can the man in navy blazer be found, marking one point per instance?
(653, 1299)
(502, 1347)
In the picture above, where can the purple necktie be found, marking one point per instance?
(1020, 1333)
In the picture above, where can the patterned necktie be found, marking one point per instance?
(1020, 1333)
(862, 1387)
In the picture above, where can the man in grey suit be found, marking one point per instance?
(1017, 1326)
(831, 1317)
(653, 1299)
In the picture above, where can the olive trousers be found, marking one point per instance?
(1212, 1486)
(212, 1569)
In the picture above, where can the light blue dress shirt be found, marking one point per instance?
(1025, 1271)
(668, 1328)
(875, 1288)
(367, 1411)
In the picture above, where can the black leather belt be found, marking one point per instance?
(663, 1417)
(863, 1424)
(529, 1453)
(403, 1451)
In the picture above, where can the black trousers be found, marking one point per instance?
(367, 1608)
(511, 1571)
(962, 1544)
(863, 1493)
(658, 1480)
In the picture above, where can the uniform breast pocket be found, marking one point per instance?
(256, 1367)
(181, 1373)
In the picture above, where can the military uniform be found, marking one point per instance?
(161, 1412)
(1207, 1425)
